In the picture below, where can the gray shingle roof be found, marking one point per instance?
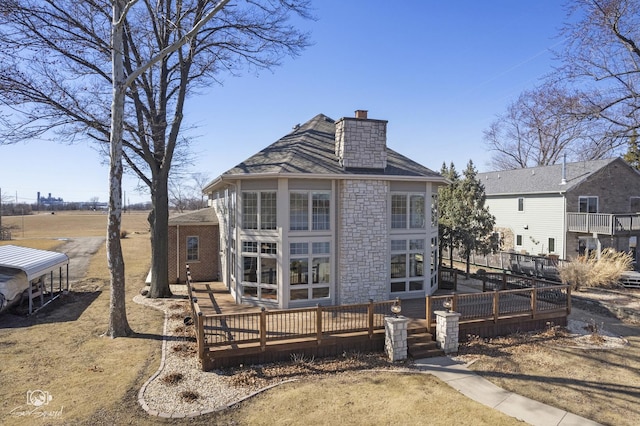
(542, 179)
(206, 215)
(310, 149)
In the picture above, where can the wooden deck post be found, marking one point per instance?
(496, 306)
(534, 301)
(318, 323)
(454, 302)
(429, 313)
(569, 299)
(504, 281)
(370, 315)
(263, 328)
(201, 342)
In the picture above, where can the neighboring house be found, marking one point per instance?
(566, 209)
(194, 240)
(328, 215)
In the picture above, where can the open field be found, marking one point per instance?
(95, 380)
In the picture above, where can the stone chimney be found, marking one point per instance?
(361, 143)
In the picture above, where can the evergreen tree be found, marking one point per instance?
(446, 209)
(632, 156)
(474, 222)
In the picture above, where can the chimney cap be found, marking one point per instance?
(361, 114)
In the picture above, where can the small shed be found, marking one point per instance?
(194, 240)
(31, 271)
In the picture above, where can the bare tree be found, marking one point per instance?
(602, 57)
(542, 125)
(185, 191)
(58, 74)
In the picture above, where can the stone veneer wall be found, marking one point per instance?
(362, 244)
(361, 143)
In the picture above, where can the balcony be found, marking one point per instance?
(603, 223)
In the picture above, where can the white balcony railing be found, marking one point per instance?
(603, 223)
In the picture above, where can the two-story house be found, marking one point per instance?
(327, 214)
(566, 209)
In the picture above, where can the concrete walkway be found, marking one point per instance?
(459, 377)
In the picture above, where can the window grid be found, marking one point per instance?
(260, 270)
(298, 211)
(320, 211)
(250, 210)
(310, 270)
(193, 252)
(407, 265)
(398, 211)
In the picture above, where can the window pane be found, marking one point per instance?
(249, 269)
(319, 293)
(416, 285)
(298, 211)
(520, 204)
(416, 215)
(321, 248)
(552, 244)
(416, 244)
(269, 293)
(397, 287)
(192, 248)
(299, 271)
(250, 210)
(398, 245)
(320, 211)
(416, 264)
(321, 270)
(434, 210)
(298, 248)
(302, 294)
(250, 246)
(250, 291)
(398, 211)
(518, 240)
(269, 248)
(268, 271)
(398, 266)
(268, 210)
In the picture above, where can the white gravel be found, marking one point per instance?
(166, 400)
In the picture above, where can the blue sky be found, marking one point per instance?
(438, 71)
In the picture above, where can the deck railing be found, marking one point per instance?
(320, 322)
(602, 223)
(496, 305)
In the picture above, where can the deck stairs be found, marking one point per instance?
(420, 343)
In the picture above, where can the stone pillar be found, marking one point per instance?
(447, 329)
(395, 340)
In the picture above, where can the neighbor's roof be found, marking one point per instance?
(310, 150)
(33, 262)
(202, 216)
(540, 180)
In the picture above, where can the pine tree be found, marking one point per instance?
(632, 156)
(446, 209)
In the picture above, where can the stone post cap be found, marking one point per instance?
(447, 314)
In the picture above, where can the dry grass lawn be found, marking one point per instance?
(95, 380)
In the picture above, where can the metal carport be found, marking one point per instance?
(36, 264)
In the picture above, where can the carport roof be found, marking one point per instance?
(33, 262)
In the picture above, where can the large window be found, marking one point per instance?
(407, 211)
(588, 204)
(407, 265)
(260, 270)
(193, 252)
(309, 270)
(307, 208)
(259, 210)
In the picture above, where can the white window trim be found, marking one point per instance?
(197, 259)
(589, 196)
(408, 196)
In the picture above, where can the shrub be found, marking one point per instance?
(592, 271)
(123, 234)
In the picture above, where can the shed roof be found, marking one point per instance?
(33, 262)
(202, 216)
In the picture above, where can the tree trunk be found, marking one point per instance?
(118, 324)
(468, 259)
(451, 252)
(159, 222)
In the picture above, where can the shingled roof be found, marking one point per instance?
(310, 150)
(540, 180)
(206, 215)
